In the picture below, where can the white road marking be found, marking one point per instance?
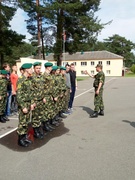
(75, 97)
(8, 132)
(92, 89)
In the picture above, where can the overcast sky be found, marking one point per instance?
(121, 12)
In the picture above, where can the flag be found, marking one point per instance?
(64, 36)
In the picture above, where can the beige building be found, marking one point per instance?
(112, 63)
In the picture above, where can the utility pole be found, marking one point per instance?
(39, 31)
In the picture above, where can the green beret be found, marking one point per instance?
(26, 66)
(4, 72)
(48, 64)
(37, 64)
(62, 68)
(54, 68)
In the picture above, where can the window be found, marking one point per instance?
(99, 62)
(64, 63)
(92, 63)
(108, 62)
(92, 72)
(83, 63)
(74, 63)
(108, 72)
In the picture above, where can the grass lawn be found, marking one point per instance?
(129, 74)
(81, 78)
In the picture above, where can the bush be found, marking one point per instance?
(133, 68)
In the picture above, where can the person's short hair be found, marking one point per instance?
(99, 65)
(72, 64)
(67, 65)
(5, 65)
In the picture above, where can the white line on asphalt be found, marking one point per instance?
(92, 89)
(75, 97)
(8, 132)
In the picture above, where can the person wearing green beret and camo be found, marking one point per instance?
(50, 97)
(3, 95)
(37, 113)
(25, 104)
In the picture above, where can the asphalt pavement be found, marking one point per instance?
(81, 148)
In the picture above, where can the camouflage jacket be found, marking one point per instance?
(49, 85)
(25, 92)
(3, 86)
(38, 86)
(99, 78)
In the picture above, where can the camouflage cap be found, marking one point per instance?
(26, 66)
(54, 68)
(37, 64)
(4, 72)
(62, 68)
(48, 64)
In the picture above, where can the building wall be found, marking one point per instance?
(111, 67)
(29, 60)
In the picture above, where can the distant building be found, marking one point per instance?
(112, 63)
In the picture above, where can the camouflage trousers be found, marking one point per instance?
(67, 98)
(38, 114)
(3, 101)
(62, 100)
(49, 109)
(98, 101)
(24, 120)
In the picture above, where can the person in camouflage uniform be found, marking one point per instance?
(25, 104)
(63, 89)
(98, 98)
(3, 94)
(50, 98)
(37, 113)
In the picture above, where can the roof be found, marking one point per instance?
(91, 55)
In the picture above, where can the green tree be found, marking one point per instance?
(121, 46)
(8, 38)
(133, 68)
(75, 18)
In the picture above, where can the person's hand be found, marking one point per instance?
(13, 93)
(44, 100)
(25, 110)
(32, 106)
(85, 72)
(55, 99)
(97, 92)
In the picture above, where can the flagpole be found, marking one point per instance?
(64, 46)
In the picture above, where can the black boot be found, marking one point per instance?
(37, 133)
(94, 115)
(101, 113)
(54, 122)
(2, 120)
(22, 140)
(49, 125)
(62, 115)
(58, 119)
(46, 127)
(6, 118)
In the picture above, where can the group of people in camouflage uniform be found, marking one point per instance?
(41, 99)
(3, 95)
